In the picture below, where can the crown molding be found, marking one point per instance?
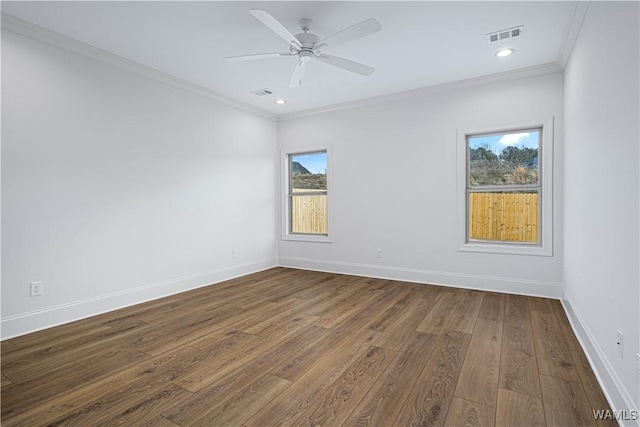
(35, 32)
(523, 73)
(571, 32)
(18, 26)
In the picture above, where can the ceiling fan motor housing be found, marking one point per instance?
(307, 39)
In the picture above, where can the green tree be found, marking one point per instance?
(482, 153)
(514, 156)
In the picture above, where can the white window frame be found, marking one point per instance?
(545, 245)
(286, 206)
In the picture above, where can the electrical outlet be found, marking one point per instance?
(234, 253)
(36, 288)
(378, 253)
(619, 343)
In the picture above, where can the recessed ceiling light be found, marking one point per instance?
(504, 52)
(280, 101)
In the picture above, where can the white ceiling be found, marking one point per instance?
(421, 43)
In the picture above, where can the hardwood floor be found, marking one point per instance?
(292, 347)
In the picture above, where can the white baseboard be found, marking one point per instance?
(618, 396)
(457, 280)
(25, 323)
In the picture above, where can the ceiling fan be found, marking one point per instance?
(308, 47)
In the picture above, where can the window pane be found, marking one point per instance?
(308, 193)
(309, 214)
(308, 171)
(509, 158)
(504, 216)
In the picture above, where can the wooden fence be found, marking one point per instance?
(309, 214)
(509, 217)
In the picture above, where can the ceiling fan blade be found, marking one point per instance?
(353, 32)
(346, 64)
(275, 26)
(296, 77)
(256, 56)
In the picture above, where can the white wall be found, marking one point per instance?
(118, 189)
(601, 233)
(394, 174)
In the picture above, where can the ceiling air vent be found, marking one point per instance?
(509, 33)
(262, 92)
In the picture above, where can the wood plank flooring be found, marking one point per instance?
(288, 347)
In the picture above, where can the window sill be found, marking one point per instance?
(497, 248)
(306, 238)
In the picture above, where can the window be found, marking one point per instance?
(503, 186)
(505, 196)
(307, 196)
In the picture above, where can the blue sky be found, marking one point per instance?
(497, 142)
(315, 163)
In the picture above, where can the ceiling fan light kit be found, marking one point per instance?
(308, 46)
